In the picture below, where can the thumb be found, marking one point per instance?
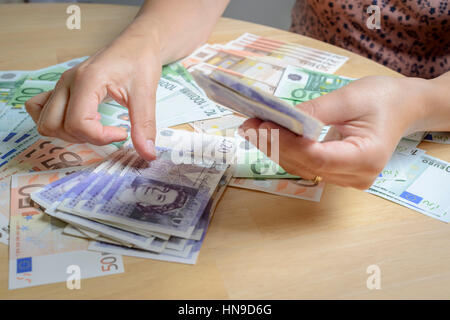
(142, 115)
(331, 108)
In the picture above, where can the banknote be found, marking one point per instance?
(253, 163)
(9, 82)
(400, 160)
(54, 154)
(415, 192)
(437, 137)
(236, 62)
(29, 89)
(5, 197)
(53, 73)
(39, 252)
(416, 136)
(292, 53)
(160, 196)
(175, 72)
(218, 126)
(257, 104)
(81, 233)
(195, 147)
(302, 84)
(247, 79)
(293, 188)
(145, 243)
(184, 252)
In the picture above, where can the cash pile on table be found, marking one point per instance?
(66, 204)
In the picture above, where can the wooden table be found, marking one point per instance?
(258, 245)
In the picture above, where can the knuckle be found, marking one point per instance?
(145, 123)
(66, 76)
(72, 127)
(309, 107)
(43, 130)
(28, 105)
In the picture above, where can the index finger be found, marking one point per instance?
(82, 117)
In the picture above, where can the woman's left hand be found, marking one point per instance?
(371, 114)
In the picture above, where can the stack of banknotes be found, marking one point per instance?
(64, 204)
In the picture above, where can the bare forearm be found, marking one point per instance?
(435, 105)
(178, 26)
(440, 102)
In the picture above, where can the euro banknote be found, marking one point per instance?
(39, 252)
(291, 53)
(302, 84)
(415, 192)
(292, 188)
(9, 82)
(437, 137)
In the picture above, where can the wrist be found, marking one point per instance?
(142, 36)
(419, 100)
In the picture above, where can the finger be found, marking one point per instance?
(51, 120)
(142, 116)
(35, 105)
(82, 119)
(263, 136)
(350, 155)
(333, 108)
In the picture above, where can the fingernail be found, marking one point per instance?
(151, 147)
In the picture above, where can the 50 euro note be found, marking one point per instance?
(5, 197)
(39, 251)
(49, 154)
(42, 156)
(291, 53)
(238, 63)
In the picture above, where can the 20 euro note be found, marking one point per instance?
(39, 252)
(425, 189)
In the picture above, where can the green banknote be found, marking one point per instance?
(10, 81)
(253, 163)
(303, 84)
(53, 73)
(29, 89)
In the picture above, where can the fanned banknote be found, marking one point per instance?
(39, 252)
(291, 53)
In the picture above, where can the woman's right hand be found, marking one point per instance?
(128, 71)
